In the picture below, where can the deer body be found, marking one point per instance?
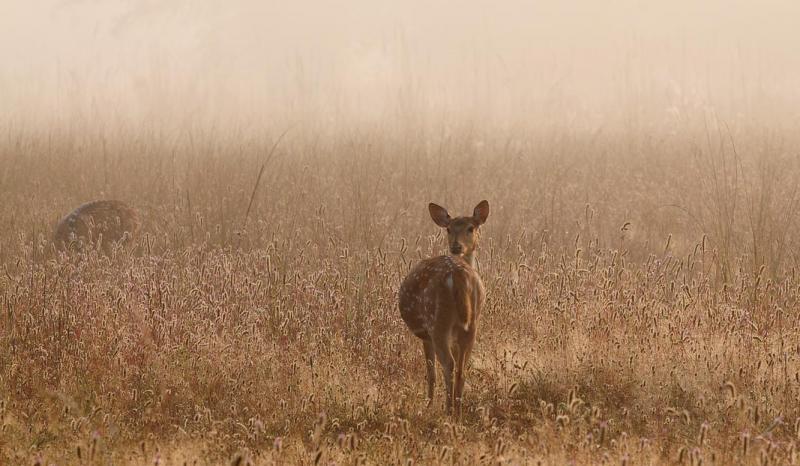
(107, 221)
(440, 301)
(440, 289)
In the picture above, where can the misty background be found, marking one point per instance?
(581, 64)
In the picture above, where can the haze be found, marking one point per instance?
(227, 232)
(247, 62)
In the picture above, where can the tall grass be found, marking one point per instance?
(641, 286)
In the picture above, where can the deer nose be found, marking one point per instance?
(456, 248)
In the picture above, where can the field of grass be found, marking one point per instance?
(642, 296)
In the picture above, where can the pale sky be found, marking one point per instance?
(279, 58)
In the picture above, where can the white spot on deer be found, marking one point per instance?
(449, 281)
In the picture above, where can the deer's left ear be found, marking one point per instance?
(439, 215)
(481, 212)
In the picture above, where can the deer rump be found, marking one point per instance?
(441, 291)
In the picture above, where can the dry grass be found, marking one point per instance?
(642, 298)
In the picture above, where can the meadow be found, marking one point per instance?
(642, 294)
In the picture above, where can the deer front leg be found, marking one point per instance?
(465, 344)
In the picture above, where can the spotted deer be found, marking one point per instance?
(440, 301)
(105, 222)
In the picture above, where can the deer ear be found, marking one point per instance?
(439, 215)
(481, 212)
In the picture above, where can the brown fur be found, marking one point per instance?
(440, 301)
(107, 222)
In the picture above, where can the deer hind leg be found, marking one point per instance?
(465, 343)
(430, 367)
(441, 344)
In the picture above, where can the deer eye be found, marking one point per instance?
(471, 229)
(448, 230)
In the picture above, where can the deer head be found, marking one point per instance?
(462, 232)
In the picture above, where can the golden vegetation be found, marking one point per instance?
(642, 297)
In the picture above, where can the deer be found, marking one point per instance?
(103, 221)
(440, 301)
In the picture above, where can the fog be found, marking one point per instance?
(249, 62)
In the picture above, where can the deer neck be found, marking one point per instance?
(470, 259)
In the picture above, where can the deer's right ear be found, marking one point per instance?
(439, 215)
(481, 212)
